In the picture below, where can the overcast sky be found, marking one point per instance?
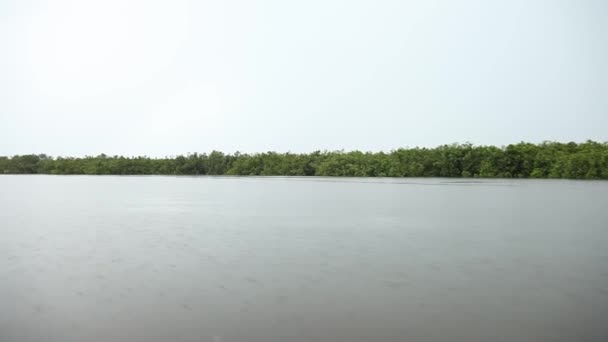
(169, 77)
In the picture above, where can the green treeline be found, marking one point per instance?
(588, 160)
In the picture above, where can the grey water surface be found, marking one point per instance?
(277, 259)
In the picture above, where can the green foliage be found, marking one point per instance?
(588, 160)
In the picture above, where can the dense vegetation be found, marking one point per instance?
(587, 160)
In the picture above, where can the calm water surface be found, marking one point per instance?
(301, 259)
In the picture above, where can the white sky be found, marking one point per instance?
(169, 77)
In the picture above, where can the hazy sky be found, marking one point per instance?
(170, 77)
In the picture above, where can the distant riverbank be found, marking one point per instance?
(588, 160)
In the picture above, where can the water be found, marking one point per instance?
(301, 259)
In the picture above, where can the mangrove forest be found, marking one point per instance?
(588, 160)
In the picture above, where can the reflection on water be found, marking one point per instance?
(302, 259)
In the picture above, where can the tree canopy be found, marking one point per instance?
(588, 160)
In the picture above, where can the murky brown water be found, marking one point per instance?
(301, 259)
